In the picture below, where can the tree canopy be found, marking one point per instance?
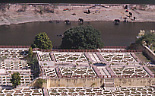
(81, 37)
(15, 79)
(148, 39)
(42, 41)
(39, 83)
(30, 53)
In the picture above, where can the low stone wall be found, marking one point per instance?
(74, 82)
(133, 82)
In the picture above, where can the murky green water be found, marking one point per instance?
(112, 35)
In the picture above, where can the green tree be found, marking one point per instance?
(30, 53)
(146, 40)
(15, 79)
(81, 37)
(149, 39)
(39, 83)
(42, 41)
(35, 67)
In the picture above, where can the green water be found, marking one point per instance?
(112, 35)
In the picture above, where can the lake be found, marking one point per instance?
(112, 35)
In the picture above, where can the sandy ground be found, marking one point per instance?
(97, 13)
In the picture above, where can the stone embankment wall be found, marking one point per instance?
(134, 82)
(70, 82)
(98, 82)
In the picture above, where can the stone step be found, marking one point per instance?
(108, 80)
(109, 85)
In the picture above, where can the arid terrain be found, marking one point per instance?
(21, 13)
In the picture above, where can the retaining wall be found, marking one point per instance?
(133, 82)
(74, 82)
(97, 82)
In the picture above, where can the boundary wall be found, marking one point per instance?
(98, 82)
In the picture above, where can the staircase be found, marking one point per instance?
(109, 83)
